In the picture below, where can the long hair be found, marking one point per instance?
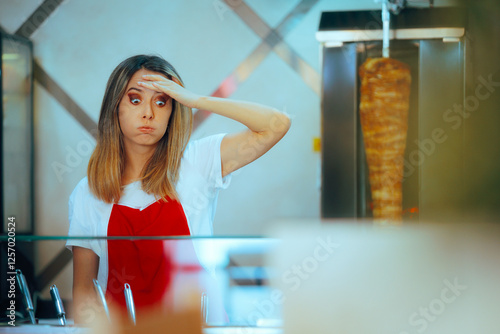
(107, 163)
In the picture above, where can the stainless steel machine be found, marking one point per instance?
(434, 43)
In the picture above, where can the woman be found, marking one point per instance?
(144, 178)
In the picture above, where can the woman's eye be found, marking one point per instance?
(160, 103)
(135, 100)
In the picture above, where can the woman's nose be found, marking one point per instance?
(148, 112)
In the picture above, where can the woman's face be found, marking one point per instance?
(143, 113)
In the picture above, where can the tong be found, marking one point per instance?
(25, 292)
(61, 314)
(101, 297)
(204, 307)
(129, 300)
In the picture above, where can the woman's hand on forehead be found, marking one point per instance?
(172, 88)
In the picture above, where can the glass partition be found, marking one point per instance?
(341, 277)
(227, 277)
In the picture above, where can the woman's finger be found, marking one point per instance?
(162, 79)
(145, 84)
(158, 86)
(153, 77)
(153, 86)
(161, 86)
(156, 78)
(174, 79)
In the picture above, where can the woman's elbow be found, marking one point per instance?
(280, 123)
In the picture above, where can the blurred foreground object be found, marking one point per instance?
(348, 277)
(187, 320)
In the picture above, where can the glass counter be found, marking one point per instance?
(340, 277)
(227, 277)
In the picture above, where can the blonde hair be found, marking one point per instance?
(107, 163)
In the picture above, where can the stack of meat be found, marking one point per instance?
(385, 91)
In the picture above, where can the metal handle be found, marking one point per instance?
(100, 296)
(56, 298)
(129, 300)
(25, 292)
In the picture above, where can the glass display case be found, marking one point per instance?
(341, 277)
(225, 278)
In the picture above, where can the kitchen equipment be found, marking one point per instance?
(204, 307)
(433, 42)
(129, 300)
(101, 297)
(25, 293)
(61, 314)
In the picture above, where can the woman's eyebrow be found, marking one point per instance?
(140, 90)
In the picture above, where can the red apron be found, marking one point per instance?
(146, 265)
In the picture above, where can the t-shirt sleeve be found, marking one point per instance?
(205, 155)
(79, 224)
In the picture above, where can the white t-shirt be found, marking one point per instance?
(200, 179)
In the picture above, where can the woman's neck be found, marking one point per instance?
(135, 160)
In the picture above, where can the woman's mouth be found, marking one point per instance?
(146, 129)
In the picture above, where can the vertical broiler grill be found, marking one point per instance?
(433, 43)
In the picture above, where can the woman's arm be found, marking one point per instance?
(266, 126)
(85, 267)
